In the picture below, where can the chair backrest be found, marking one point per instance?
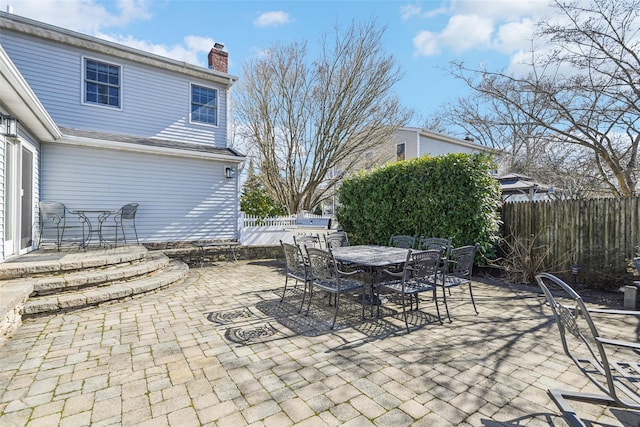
(402, 241)
(336, 240)
(578, 342)
(426, 243)
(293, 257)
(426, 264)
(312, 240)
(460, 262)
(128, 211)
(322, 265)
(53, 211)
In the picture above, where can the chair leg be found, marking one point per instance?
(444, 297)
(472, 300)
(136, 232)
(304, 293)
(335, 315)
(560, 398)
(435, 299)
(404, 311)
(310, 295)
(284, 292)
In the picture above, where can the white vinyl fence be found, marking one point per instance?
(270, 231)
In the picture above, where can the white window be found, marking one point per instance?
(204, 105)
(102, 83)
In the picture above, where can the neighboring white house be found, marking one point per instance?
(409, 143)
(102, 125)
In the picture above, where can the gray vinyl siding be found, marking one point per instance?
(433, 147)
(155, 103)
(410, 139)
(181, 199)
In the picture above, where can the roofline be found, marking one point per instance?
(39, 29)
(450, 139)
(124, 146)
(22, 102)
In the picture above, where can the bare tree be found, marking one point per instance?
(308, 122)
(583, 87)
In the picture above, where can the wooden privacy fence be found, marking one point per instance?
(598, 235)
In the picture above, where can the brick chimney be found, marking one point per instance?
(218, 58)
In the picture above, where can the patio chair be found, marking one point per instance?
(53, 215)
(123, 219)
(402, 241)
(295, 268)
(618, 381)
(427, 243)
(336, 240)
(303, 240)
(419, 274)
(325, 276)
(457, 272)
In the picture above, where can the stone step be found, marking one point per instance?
(175, 272)
(74, 280)
(42, 262)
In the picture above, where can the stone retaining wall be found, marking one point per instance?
(11, 309)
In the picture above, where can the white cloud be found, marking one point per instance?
(512, 36)
(426, 43)
(272, 19)
(408, 11)
(465, 32)
(84, 16)
(88, 17)
(503, 25)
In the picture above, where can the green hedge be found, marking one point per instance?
(446, 196)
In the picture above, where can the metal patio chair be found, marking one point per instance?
(295, 268)
(123, 219)
(419, 274)
(402, 241)
(618, 381)
(325, 276)
(427, 243)
(457, 272)
(336, 240)
(312, 240)
(53, 216)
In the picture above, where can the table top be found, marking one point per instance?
(370, 255)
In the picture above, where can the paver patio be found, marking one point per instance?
(220, 349)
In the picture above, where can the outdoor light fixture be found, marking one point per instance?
(9, 126)
(229, 172)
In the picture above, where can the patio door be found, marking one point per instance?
(26, 200)
(18, 199)
(11, 190)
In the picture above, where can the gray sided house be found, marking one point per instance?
(409, 143)
(102, 125)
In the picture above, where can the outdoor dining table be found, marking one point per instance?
(371, 258)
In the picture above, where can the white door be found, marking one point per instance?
(18, 199)
(11, 189)
(26, 200)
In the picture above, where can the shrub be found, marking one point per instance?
(446, 196)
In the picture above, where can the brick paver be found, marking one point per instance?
(220, 349)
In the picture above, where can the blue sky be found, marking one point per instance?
(424, 36)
